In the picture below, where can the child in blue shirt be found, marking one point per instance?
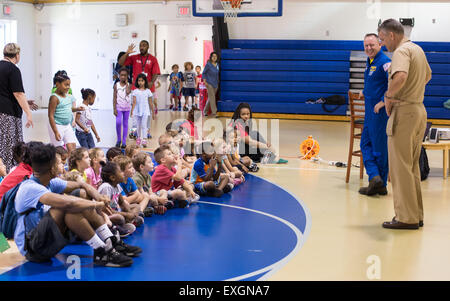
(175, 87)
(130, 192)
(208, 180)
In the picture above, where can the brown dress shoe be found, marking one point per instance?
(394, 224)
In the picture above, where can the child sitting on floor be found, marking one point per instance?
(166, 177)
(63, 153)
(130, 191)
(166, 139)
(112, 153)
(222, 151)
(143, 165)
(131, 150)
(94, 172)
(79, 161)
(206, 178)
(122, 213)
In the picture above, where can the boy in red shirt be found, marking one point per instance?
(169, 178)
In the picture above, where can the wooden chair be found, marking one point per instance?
(357, 110)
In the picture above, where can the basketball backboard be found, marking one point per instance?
(249, 8)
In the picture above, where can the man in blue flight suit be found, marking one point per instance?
(374, 139)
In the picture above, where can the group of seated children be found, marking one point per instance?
(101, 198)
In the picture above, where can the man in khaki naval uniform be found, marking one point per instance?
(408, 74)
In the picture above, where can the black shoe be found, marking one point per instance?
(227, 188)
(217, 193)
(181, 203)
(420, 223)
(148, 211)
(123, 146)
(374, 185)
(169, 205)
(111, 258)
(253, 167)
(118, 144)
(127, 250)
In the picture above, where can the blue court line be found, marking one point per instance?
(246, 235)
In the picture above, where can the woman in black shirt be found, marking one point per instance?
(13, 102)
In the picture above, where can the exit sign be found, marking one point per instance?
(184, 11)
(6, 10)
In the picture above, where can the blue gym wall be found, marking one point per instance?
(279, 76)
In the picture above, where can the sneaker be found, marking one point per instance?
(111, 258)
(123, 146)
(171, 107)
(194, 199)
(148, 211)
(181, 203)
(281, 161)
(126, 229)
(169, 205)
(160, 209)
(228, 188)
(144, 143)
(237, 181)
(138, 221)
(253, 167)
(175, 109)
(138, 141)
(118, 144)
(217, 193)
(127, 250)
(185, 109)
(149, 136)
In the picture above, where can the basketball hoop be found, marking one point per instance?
(230, 9)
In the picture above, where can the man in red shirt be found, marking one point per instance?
(143, 62)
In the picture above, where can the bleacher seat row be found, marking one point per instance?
(280, 76)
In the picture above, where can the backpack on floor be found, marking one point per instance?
(336, 100)
(423, 165)
(8, 213)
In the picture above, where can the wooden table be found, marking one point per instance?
(443, 145)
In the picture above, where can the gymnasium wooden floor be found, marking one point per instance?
(345, 226)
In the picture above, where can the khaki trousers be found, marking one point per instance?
(405, 130)
(211, 102)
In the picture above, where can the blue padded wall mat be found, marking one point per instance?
(260, 65)
(278, 74)
(286, 55)
(303, 87)
(284, 108)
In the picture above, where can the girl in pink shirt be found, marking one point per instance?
(94, 173)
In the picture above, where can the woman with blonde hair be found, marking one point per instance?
(13, 102)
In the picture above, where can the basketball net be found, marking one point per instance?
(230, 10)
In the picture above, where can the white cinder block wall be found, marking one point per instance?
(77, 37)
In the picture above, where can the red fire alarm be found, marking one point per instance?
(134, 35)
(6, 10)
